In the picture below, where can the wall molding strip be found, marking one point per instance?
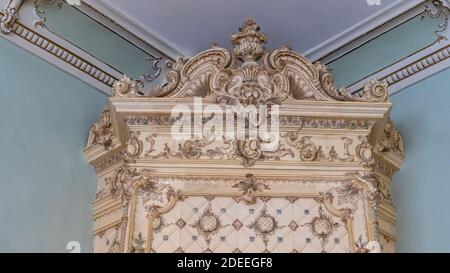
(59, 55)
(129, 35)
(413, 72)
(18, 20)
(69, 57)
(340, 44)
(417, 66)
(63, 54)
(133, 26)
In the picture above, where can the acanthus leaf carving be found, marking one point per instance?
(311, 152)
(126, 87)
(249, 151)
(249, 187)
(391, 140)
(248, 42)
(102, 132)
(250, 84)
(126, 180)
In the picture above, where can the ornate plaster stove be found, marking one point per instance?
(326, 188)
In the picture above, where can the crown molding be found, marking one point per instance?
(413, 68)
(18, 25)
(143, 32)
(334, 44)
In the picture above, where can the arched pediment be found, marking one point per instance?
(248, 74)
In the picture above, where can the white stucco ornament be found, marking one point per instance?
(326, 188)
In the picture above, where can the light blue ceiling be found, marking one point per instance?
(192, 25)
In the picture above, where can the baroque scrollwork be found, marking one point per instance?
(311, 152)
(149, 187)
(102, 132)
(114, 243)
(281, 75)
(208, 224)
(265, 225)
(249, 187)
(438, 13)
(134, 146)
(147, 77)
(126, 179)
(322, 226)
(350, 192)
(364, 151)
(391, 140)
(295, 121)
(126, 87)
(251, 151)
(40, 11)
(248, 151)
(321, 176)
(8, 19)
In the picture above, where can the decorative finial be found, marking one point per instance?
(248, 42)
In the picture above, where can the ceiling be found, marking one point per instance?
(193, 25)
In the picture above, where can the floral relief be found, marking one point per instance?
(138, 244)
(321, 185)
(249, 186)
(102, 132)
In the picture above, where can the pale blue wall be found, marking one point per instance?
(422, 187)
(46, 185)
(96, 39)
(422, 113)
(387, 49)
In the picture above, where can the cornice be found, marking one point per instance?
(414, 69)
(133, 26)
(332, 45)
(18, 27)
(418, 66)
(398, 76)
(63, 54)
